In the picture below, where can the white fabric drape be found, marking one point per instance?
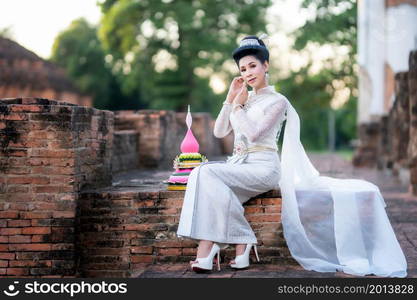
(334, 224)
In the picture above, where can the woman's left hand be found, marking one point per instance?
(242, 96)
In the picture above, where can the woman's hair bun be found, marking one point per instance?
(252, 45)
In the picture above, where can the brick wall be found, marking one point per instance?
(384, 148)
(126, 149)
(24, 74)
(412, 148)
(158, 142)
(366, 153)
(161, 133)
(400, 132)
(120, 230)
(49, 151)
(391, 142)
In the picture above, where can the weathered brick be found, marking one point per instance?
(35, 215)
(40, 238)
(30, 247)
(253, 210)
(264, 218)
(142, 258)
(30, 263)
(63, 214)
(20, 180)
(18, 171)
(40, 180)
(12, 189)
(170, 251)
(9, 214)
(62, 246)
(272, 209)
(36, 230)
(45, 206)
(19, 239)
(271, 201)
(16, 152)
(26, 108)
(141, 250)
(174, 244)
(14, 117)
(4, 263)
(66, 153)
(17, 271)
(9, 256)
(189, 251)
(10, 231)
(47, 189)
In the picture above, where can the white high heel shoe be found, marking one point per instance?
(206, 263)
(242, 261)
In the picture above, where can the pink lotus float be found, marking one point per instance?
(187, 160)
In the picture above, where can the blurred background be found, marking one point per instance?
(166, 54)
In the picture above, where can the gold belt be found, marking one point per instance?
(240, 150)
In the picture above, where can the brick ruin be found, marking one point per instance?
(24, 74)
(60, 215)
(121, 230)
(412, 143)
(49, 152)
(391, 142)
(155, 129)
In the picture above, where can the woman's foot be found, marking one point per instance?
(206, 253)
(240, 249)
(203, 250)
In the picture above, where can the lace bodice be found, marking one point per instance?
(258, 124)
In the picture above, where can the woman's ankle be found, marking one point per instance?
(240, 249)
(204, 248)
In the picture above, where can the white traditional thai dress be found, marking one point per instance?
(212, 208)
(329, 224)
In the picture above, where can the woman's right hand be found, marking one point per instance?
(234, 88)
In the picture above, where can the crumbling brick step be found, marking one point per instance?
(120, 229)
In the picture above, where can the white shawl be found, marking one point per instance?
(334, 224)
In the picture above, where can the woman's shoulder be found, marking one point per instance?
(276, 97)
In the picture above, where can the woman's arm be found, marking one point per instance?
(222, 126)
(254, 130)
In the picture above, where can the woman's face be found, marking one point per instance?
(253, 71)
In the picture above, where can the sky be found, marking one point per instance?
(35, 24)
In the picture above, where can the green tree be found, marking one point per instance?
(332, 23)
(6, 32)
(78, 50)
(160, 46)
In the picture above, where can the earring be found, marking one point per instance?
(266, 76)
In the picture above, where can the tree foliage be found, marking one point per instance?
(332, 23)
(78, 50)
(6, 32)
(159, 46)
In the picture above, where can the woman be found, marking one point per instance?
(329, 224)
(212, 209)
